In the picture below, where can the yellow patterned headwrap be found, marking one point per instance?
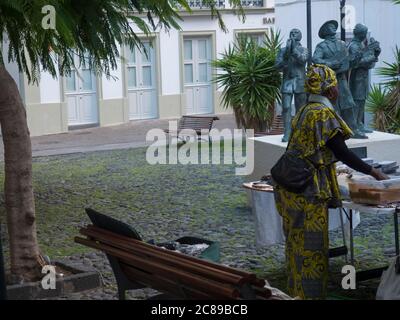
(320, 78)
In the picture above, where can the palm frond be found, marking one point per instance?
(385, 105)
(377, 104)
(391, 71)
(94, 28)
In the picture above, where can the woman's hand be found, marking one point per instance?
(379, 175)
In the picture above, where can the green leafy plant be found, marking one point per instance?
(250, 81)
(377, 105)
(384, 102)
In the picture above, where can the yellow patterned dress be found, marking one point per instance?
(305, 215)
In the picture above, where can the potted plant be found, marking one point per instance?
(250, 81)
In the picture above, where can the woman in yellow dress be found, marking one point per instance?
(319, 133)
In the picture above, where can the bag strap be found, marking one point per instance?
(297, 126)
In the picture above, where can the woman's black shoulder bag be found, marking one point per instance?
(292, 172)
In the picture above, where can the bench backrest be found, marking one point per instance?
(105, 222)
(197, 123)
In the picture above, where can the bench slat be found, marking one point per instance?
(162, 284)
(177, 262)
(251, 277)
(200, 283)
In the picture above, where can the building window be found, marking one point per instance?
(257, 37)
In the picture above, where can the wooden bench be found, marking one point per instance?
(138, 265)
(193, 124)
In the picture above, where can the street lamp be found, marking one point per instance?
(309, 31)
(342, 20)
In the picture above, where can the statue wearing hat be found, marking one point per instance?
(363, 57)
(333, 53)
(292, 61)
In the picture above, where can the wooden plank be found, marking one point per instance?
(190, 280)
(164, 285)
(173, 261)
(251, 277)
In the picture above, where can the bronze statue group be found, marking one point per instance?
(351, 64)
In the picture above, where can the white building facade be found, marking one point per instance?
(175, 79)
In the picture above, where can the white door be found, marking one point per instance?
(197, 76)
(81, 96)
(141, 81)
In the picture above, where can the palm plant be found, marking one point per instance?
(250, 81)
(377, 105)
(390, 105)
(94, 28)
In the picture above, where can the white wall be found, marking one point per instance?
(112, 88)
(50, 90)
(381, 16)
(170, 65)
(169, 54)
(170, 50)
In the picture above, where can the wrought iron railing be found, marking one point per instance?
(253, 3)
(199, 4)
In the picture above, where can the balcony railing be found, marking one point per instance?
(253, 3)
(221, 4)
(199, 4)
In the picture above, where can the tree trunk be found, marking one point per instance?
(18, 190)
(3, 289)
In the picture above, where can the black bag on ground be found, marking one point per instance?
(293, 173)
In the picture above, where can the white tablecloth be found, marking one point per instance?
(269, 230)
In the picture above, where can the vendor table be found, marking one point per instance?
(269, 229)
(273, 234)
(349, 208)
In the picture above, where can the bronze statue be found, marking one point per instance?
(292, 61)
(363, 57)
(334, 53)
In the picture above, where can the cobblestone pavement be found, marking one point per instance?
(166, 202)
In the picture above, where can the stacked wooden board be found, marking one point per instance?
(173, 273)
(368, 191)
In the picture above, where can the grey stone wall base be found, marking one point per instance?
(81, 280)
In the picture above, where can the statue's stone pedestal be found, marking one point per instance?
(267, 151)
